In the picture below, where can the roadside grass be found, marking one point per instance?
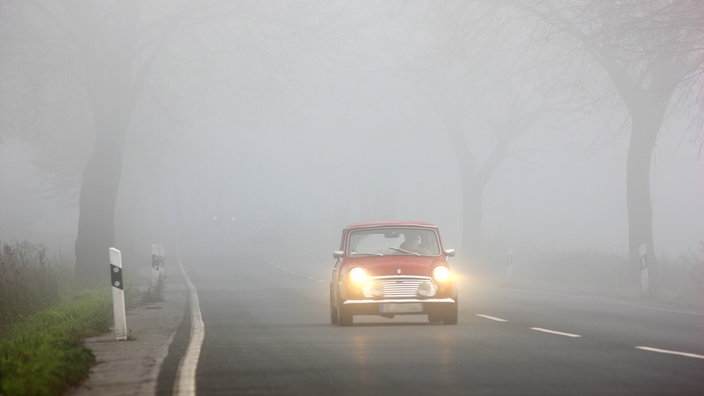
(44, 318)
(680, 279)
(43, 353)
(30, 280)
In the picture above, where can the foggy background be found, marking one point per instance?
(307, 116)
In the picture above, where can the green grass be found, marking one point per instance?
(31, 280)
(43, 353)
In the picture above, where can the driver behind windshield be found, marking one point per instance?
(411, 242)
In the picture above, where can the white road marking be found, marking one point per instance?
(491, 318)
(185, 383)
(555, 332)
(685, 354)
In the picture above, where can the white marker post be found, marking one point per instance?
(162, 260)
(157, 272)
(118, 294)
(644, 278)
(154, 279)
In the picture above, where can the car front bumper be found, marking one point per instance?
(401, 301)
(399, 306)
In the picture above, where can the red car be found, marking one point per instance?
(392, 268)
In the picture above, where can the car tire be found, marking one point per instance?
(435, 317)
(333, 315)
(333, 310)
(344, 316)
(450, 316)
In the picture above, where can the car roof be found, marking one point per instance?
(390, 224)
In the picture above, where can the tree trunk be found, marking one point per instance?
(472, 188)
(110, 90)
(107, 58)
(647, 114)
(647, 107)
(101, 180)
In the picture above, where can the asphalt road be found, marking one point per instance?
(267, 332)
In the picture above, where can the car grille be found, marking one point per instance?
(399, 287)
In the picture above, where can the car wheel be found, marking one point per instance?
(333, 310)
(344, 316)
(333, 315)
(435, 317)
(450, 315)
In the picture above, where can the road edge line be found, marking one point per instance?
(185, 383)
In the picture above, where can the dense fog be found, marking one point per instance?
(304, 117)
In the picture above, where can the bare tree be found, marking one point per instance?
(480, 61)
(109, 55)
(653, 54)
(104, 53)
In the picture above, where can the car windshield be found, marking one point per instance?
(393, 241)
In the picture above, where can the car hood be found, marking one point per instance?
(397, 265)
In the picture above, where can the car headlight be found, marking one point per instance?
(358, 275)
(441, 273)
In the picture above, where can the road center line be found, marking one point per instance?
(555, 332)
(185, 382)
(491, 317)
(685, 354)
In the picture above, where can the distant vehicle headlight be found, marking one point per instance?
(358, 275)
(441, 273)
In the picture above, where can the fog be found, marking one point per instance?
(306, 117)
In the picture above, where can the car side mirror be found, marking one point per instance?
(337, 254)
(450, 252)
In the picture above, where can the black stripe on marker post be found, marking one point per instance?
(116, 277)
